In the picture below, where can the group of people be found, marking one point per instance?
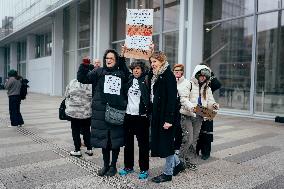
(159, 105)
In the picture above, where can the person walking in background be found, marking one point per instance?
(109, 84)
(136, 121)
(163, 93)
(78, 107)
(193, 93)
(206, 132)
(13, 85)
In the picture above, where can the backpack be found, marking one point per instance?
(24, 89)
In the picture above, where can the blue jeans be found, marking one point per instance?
(171, 162)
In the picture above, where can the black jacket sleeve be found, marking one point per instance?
(86, 74)
(171, 91)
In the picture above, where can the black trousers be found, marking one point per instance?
(106, 154)
(81, 125)
(14, 109)
(139, 126)
(205, 138)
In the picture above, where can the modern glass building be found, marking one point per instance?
(241, 40)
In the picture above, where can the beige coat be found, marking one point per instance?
(189, 93)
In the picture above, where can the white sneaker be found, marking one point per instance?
(10, 126)
(89, 152)
(21, 125)
(76, 154)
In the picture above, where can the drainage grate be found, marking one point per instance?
(89, 166)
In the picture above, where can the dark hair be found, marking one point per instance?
(12, 73)
(120, 62)
(140, 64)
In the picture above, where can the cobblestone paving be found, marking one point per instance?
(247, 153)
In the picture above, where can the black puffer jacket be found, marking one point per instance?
(99, 128)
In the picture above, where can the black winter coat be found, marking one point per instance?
(99, 128)
(163, 110)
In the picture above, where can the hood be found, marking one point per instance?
(197, 69)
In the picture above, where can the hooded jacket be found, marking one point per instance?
(189, 92)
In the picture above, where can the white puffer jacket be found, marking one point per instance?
(189, 93)
(78, 100)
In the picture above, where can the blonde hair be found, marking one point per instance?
(159, 55)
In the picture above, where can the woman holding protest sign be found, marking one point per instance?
(196, 92)
(108, 105)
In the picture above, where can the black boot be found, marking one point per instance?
(162, 178)
(111, 172)
(179, 168)
(103, 171)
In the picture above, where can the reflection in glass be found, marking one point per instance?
(119, 19)
(84, 23)
(221, 9)
(269, 94)
(171, 14)
(171, 47)
(228, 51)
(156, 5)
(264, 5)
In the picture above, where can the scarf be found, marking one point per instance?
(155, 77)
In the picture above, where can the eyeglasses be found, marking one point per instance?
(109, 58)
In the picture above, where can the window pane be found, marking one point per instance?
(171, 47)
(228, 51)
(264, 5)
(84, 24)
(81, 54)
(117, 47)
(156, 42)
(270, 67)
(171, 14)
(48, 44)
(119, 19)
(221, 9)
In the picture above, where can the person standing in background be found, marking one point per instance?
(13, 85)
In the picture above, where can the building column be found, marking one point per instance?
(101, 27)
(57, 54)
(2, 62)
(13, 56)
(194, 52)
(30, 52)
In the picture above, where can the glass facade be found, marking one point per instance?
(244, 47)
(21, 58)
(78, 42)
(166, 24)
(43, 45)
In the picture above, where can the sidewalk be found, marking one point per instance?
(247, 153)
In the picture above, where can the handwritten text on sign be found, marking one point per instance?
(139, 31)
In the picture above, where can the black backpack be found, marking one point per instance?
(24, 89)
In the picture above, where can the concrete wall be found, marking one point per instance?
(39, 75)
(2, 64)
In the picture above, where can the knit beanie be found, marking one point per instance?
(12, 73)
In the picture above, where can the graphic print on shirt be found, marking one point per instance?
(134, 89)
(112, 85)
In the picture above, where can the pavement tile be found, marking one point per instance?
(275, 183)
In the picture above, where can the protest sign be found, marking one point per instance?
(139, 31)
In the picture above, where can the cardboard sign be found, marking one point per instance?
(139, 31)
(205, 112)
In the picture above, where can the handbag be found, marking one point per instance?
(114, 116)
(62, 114)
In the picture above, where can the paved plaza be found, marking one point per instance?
(247, 153)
